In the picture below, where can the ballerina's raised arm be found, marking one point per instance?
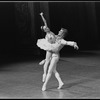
(44, 20)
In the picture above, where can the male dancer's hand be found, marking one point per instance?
(76, 46)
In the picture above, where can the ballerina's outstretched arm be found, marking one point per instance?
(44, 20)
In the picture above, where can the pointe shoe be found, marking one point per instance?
(43, 88)
(60, 86)
(42, 62)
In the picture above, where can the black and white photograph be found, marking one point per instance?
(49, 49)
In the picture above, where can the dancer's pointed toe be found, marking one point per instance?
(60, 86)
(43, 88)
(42, 62)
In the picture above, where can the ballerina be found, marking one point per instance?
(43, 44)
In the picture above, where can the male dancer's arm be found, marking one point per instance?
(70, 43)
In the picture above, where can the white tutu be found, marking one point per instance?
(44, 44)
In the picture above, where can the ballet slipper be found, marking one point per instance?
(42, 62)
(43, 88)
(60, 85)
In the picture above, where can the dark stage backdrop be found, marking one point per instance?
(20, 24)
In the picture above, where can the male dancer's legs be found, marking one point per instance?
(57, 75)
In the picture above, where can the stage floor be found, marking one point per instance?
(80, 74)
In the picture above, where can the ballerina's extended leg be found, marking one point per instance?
(46, 64)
